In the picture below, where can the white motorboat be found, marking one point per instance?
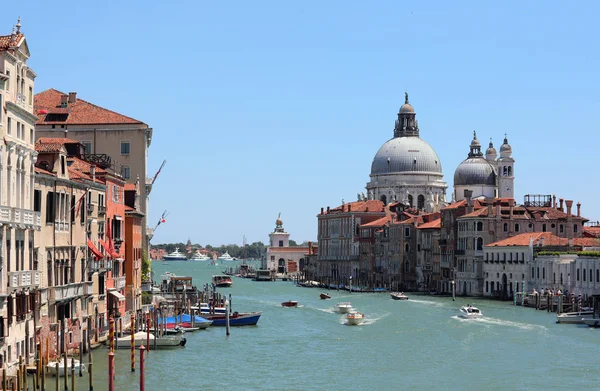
(398, 296)
(175, 256)
(51, 367)
(140, 338)
(355, 318)
(592, 322)
(200, 257)
(343, 308)
(226, 257)
(574, 317)
(470, 312)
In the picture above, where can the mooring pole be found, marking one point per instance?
(142, 359)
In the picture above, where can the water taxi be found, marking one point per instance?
(222, 281)
(398, 296)
(343, 308)
(355, 318)
(574, 317)
(470, 312)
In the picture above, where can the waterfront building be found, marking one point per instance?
(133, 249)
(117, 140)
(19, 277)
(281, 258)
(428, 251)
(406, 168)
(540, 260)
(339, 239)
(490, 176)
(375, 268)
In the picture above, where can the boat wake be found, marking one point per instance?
(427, 302)
(501, 322)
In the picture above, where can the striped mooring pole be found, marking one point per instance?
(132, 343)
(111, 334)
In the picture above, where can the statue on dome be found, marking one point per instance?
(406, 97)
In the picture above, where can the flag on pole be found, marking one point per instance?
(77, 206)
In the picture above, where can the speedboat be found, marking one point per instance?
(51, 367)
(325, 296)
(141, 337)
(398, 296)
(470, 312)
(226, 257)
(574, 317)
(175, 256)
(592, 322)
(235, 319)
(355, 318)
(198, 256)
(343, 308)
(290, 303)
(222, 281)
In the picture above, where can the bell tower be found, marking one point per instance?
(506, 171)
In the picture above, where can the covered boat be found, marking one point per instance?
(222, 281)
(574, 317)
(343, 308)
(51, 367)
(185, 322)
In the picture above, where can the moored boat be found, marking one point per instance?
(226, 257)
(51, 367)
(355, 318)
(592, 322)
(222, 281)
(175, 256)
(398, 296)
(200, 257)
(184, 322)
(140, 339)
(574, 317)
(470, 312)
(290, 303)
(235, 319)
(343, 308)
(324, 296)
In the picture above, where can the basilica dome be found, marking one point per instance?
(474, 171)
(406, 154)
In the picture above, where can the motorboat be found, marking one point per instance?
(592, 322)
(51, 367)
(222, 281)
(290, 303)
(398, 296)
(175, 256)
(184, 322)
(343, 308)
(574, 317)
(324, 296)
(204, 308)
(235, 319)
(226, 257)
(200, 257)
(470, 312)
(140, 338)
(355, 318)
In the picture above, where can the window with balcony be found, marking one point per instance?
(125, 148)
(126, 172)
(479, 226)
(480, 244)
(9, 125)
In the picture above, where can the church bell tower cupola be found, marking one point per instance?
(506, 171)
(406, 124)
(475, 147)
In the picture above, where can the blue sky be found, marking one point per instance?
(267, 107)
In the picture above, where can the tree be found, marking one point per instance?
(146, 266)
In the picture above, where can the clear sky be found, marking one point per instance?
(267, 107)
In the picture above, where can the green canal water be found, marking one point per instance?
(419, 344)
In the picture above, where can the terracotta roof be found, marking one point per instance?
(432, 224)
(549, 240)
(358, 206)
(51, 144)
(42, 171)
(378, 223)
(80, 169)
(80, 112)
(592, 232)
(5, 41)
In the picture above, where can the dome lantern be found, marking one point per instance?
(406, 124)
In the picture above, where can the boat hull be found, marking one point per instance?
(140, 338)
(343, 309)
(324, 296)
(574, 317)
(397, 296)
(289, 304)
(224, 284)
(355, 321)
(243, 319)
(51, 368)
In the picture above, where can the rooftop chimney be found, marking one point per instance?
(349, 207)
(321, 210)
(570, 242)
(72, 97)
(561, 204)
(554, 201)
(569, 205)
(64, 100)
(579, 209)
(542, 241)
(93, 172)
(512, 205)
(327, 209)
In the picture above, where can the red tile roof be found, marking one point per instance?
(80, 112)
(42, 171)
(592, 232)
(359, 206)
(378, 223)
(432, 224)
(549, 240)
(5, 41)
(52, 144)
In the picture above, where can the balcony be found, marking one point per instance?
(101, 210)
(88, 288)
(24, 279)
(119, 282)
(67, 292)
(17, 216)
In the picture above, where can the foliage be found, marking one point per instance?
(580, 253)
(146, 298)
(146, 266)
(254, 251)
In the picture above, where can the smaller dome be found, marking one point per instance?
(407, 109)
(491, 150)
(475, 143)
(278, 222)
(506, 146)
(474, 171)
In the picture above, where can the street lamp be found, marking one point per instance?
(350, 284)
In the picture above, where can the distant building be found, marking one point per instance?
(282, 258)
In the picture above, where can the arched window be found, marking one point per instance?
(509, 171)
(383, 199)
(407, 248)
(421, 202)
(479, 226)
(504, 171)
(479, 243)
(410, 200)
(517, 227)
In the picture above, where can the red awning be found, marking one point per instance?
(108, 250)
(94, 249)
